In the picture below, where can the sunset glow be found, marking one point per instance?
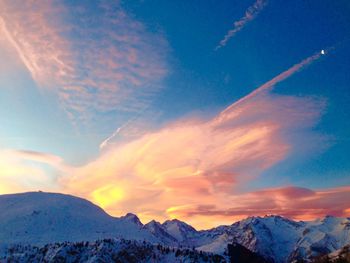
(111, 102)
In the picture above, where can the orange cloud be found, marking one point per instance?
(27, 170)
(191, 169)
(193, 162)
(96, 61)
(292, 202)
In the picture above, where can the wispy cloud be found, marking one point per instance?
(204, 198)
(94, 56)
(292, 202)
(250, 15)
(159, 171)
(172, 171)
(159, 176)
(22, 170)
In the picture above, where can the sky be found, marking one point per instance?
(205, 111)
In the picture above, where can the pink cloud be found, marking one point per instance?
(174, 170)
(193, 162)
(292, 202)
(95, 61)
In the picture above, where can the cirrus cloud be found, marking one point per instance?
(94, 56)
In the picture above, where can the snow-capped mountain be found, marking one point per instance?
(273, 237)
(322, 237)
(131, 218)
(183, 232)
(278, 239)
(41, 218)
(160, 232)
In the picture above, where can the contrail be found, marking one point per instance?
(271, 83)
(250, 15)
(115, 133)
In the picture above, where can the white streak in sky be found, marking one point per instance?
(250, 15)
(271, 83)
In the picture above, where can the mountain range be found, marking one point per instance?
(38, 219)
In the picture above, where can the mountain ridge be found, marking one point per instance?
(42, 218)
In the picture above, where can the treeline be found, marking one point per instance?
(106, 250)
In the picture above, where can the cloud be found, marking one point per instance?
(95, 56)
(204, 199)
(250, 15)
(35, 156)
(190, 168)
(28, 170)
(193, 162)
(196, 161)
(293, 202)
(130, 126)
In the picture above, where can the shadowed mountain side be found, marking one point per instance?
(240, 254)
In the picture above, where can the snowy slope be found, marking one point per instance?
(180, 230)
(322, 237)
(161, 233)
(273, 237)
(40, 218)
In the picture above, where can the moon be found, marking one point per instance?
(323, 52)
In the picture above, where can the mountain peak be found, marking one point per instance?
(159, 231)
(177, 222)
(153, 222)
(179, 229)
(132, 218)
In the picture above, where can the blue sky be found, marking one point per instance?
(83, 83)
